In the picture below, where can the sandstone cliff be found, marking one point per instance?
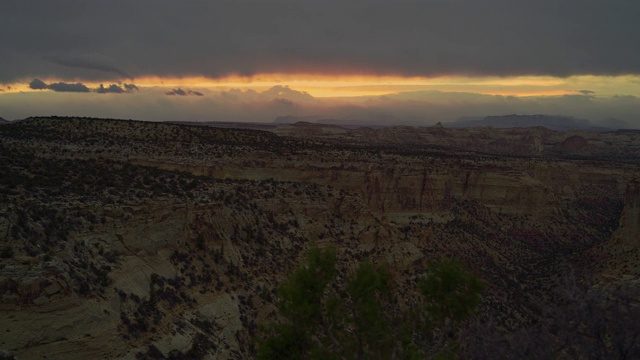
(120, 237)
(620, 256)
(629, 229)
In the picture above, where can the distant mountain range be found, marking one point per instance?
(347, 123)
(553, 122)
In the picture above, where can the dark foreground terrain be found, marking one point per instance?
(126, 239)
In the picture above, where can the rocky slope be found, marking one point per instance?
(630, 220)
(124, 237)
(619, 257)
(622, 145)
(164, 270)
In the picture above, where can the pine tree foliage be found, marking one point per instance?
(362, 318)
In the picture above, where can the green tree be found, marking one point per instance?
(450, 291)
(362, 319)
(451, 296)
(368, 290)
(301, 306)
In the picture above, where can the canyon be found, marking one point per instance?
(122, 239)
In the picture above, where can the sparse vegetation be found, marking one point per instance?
(187, 231)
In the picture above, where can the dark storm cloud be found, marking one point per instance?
(72, 39)
(113, 88)
(116, 89)
(87, 61)
(178, 92)
(38, 84)
(181, 92)
(68, 87)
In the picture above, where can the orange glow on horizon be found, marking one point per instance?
(330, 86)
(334, 86)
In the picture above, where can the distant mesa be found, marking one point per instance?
(552, 122)
(343, 122)
(320, 120)
(3, 121)
(549, 122)
(310, 124)
(291, 119)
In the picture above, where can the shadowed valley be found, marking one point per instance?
(139, 239)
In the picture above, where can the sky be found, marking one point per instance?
(373, 61)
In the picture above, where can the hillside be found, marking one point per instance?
(122, 236)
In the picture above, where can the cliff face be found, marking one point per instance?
(629, 229)
(396, 185)
(406, 176)
(415, 189)
(202, 261)
(120, 235)
(620, 255)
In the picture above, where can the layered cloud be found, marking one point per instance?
(113, 88)
(37, 84)
(409, 108)
(65, 87)
(72, 39)
(90, 61)
(181, 92)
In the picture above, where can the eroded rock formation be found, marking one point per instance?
(119, 235)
